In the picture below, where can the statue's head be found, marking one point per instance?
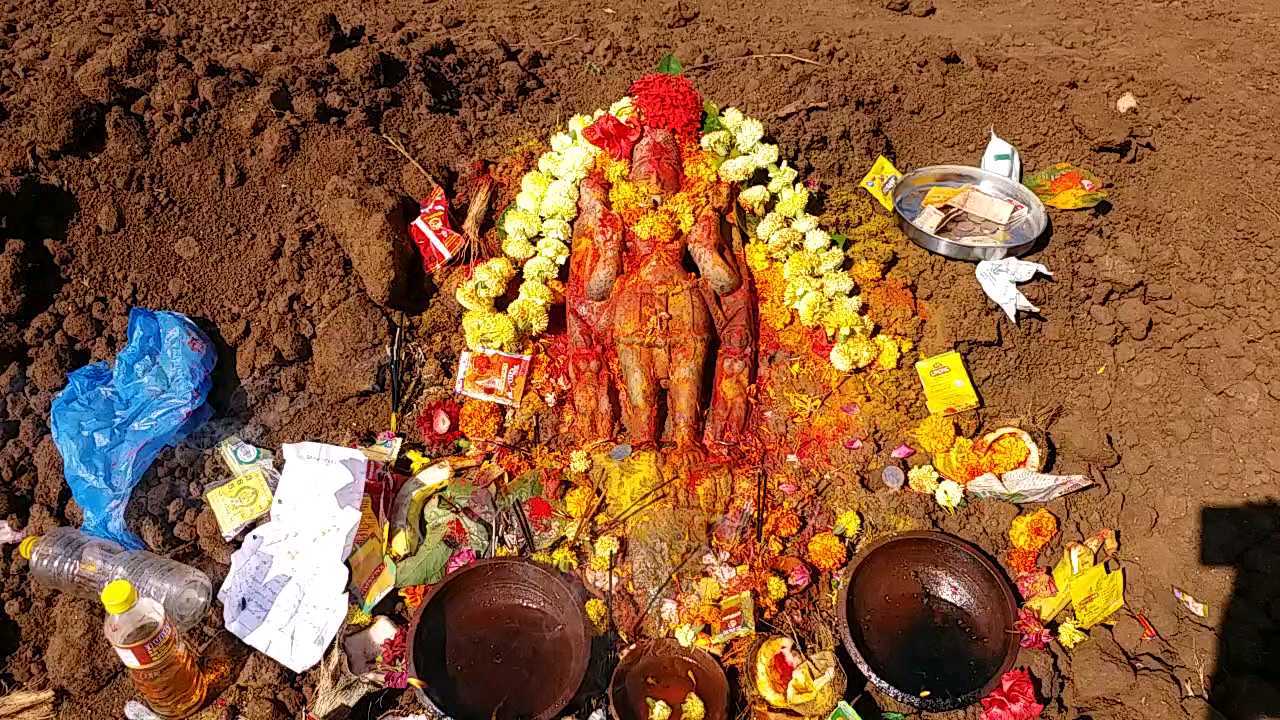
(656, 160)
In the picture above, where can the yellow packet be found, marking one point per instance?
(940, 194)
(239, 501)
(1096, 594)
(373, 575)
(881, 180)
(947, 387)
(1076, 560)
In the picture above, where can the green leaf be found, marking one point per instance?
(459, 492)
(526, 486)
(424, 567)
(839, 240)
(670, 65)
(894, 716)
(710, 117)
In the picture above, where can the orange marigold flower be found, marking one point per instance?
(786, 523)
(413, 595)
(936, 434)
(1006, 453)
(479, 419)
(1022, 560)
(1033, 531)
(826, 551)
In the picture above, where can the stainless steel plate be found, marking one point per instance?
(1028, 222)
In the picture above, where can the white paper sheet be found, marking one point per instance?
(285, 593)
(999, 279)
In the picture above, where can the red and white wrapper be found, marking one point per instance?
(432, 233)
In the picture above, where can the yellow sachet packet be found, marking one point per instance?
(239, 501)
(947, 387)
(881, 180)
(1096, 594)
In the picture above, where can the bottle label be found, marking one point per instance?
(152, 651)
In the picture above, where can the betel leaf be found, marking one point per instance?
(670, 65)
(710, 117)
(424, 567)
(525, 486)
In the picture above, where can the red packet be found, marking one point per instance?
(432, 233)
(491, 375)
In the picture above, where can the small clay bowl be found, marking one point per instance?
(664, 670)
(500, 640)
(929, 620)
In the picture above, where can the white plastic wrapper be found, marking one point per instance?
(999, 279)
(1002, 158)
(1025, 485)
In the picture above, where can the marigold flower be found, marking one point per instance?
(1033, 531)
(853, 352)
(537, 292)
(578, 501)
(528, 316)
(776, 588)
(1007, 453)
(848, 524)
(889, 352)
(785, 523)
(936, 434)
(607, 545)
(540, 269)
(731, 118)
(757, 256)
(826, 551)
(487, 330)
(748, 134)
(815, 239)
(561, 200)
(764, 155)
(949, 494)
(708, 589)
(1022, 560)
(521, 223)
(491, 276)
(923, 479)
(737, 169)
(792, 200)
(480, 420)
(754, 199)
(693, 708)
(598, 614)
(717, 141)
(564, 559)
(1070, 635)
(780, 177)
(516, 247)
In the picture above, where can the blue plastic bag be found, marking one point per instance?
(110, 423)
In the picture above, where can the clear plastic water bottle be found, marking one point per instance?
(73, 562)
(164, 670)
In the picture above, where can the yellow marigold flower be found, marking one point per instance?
(757, 256)
(792, 200)
(658, 709)
(607, 545)
(521, 223)
(686, 634)
(492, 275)
(413, 595)
(518, 248)
(754, 199)
(865, 271)
(1070, 635)
(598, 614)
(615, 171)
(717, 141)
(529, 316)
(737, 169)
(708, 589)
(656, 226)
(578, 501)
(889, 354)
(469, 299)
(731, 118)
(680, 207)
(700, 169)
(848, 523)
(541, 269)
(776, 588)
(488, 330)
(598, 563)
(692, 708)
(826, 551)
(564, 559)
(923, 479)
(949, 494)
(1033, 531)
(785, 523)
(749, 132)
(769, 224)
(853, 352)
(579, 461)
(836, 284)
(537, 291)
(936, 434)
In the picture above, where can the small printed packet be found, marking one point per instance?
(881, 180)
(373, 574)
(1193, 605)
(737, 618)
(947, 387)
(1096, 594)
(241, 457)
(240, 502)
(434, 234)
(491, 375)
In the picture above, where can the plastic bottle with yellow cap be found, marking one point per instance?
(80, 564)
(164, 670)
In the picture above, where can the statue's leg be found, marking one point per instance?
(688, 358)
(640, 411)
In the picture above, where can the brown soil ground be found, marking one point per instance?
(180, 154)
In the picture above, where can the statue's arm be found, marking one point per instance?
(705, 242)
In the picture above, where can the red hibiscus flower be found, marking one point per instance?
(613, 136)
(438, 423)
(1015, 699)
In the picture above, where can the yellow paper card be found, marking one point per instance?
(947, 387)
(881, 180)
(240, 501)
(940, 194)
(1096, 594)
(1075, 560)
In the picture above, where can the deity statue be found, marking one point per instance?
(661, 319)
